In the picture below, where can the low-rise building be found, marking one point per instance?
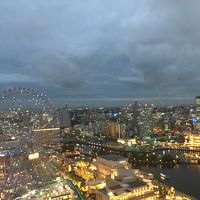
(127, 142)
(135, 190)
(106, 165)
(192, 140)
(2, 169)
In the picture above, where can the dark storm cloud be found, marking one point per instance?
(125, 48)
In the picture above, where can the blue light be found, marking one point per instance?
(115, 114)
(194, 120)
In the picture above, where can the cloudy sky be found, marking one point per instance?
(102, 49)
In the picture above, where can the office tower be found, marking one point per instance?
(197, 100)
(135, 112)
(114, 130)
(145, 121)
(64, 118)
(196, 120)
(133, 127)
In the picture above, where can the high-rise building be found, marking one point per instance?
(64, 118)
(134, 121)
(114, 130)
(196, 121)
(197, 100)
(145, 121)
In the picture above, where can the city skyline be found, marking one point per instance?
(58, 152)
(84, 101)
(100, 100)
(130, 50)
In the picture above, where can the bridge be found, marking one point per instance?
(125, 150)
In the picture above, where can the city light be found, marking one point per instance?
(33, 156)
(74, 152)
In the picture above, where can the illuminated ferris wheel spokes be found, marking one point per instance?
(25, 115)
(25, 110)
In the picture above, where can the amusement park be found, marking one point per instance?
(30, 147)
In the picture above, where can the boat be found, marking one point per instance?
(164, 177)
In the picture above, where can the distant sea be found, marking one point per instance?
(84, 101)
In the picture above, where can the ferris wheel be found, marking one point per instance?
(24, 113)
(24, 110)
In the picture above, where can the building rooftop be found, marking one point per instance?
(115, 187)
(113, 157)
(119, 189)
(134, 184)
